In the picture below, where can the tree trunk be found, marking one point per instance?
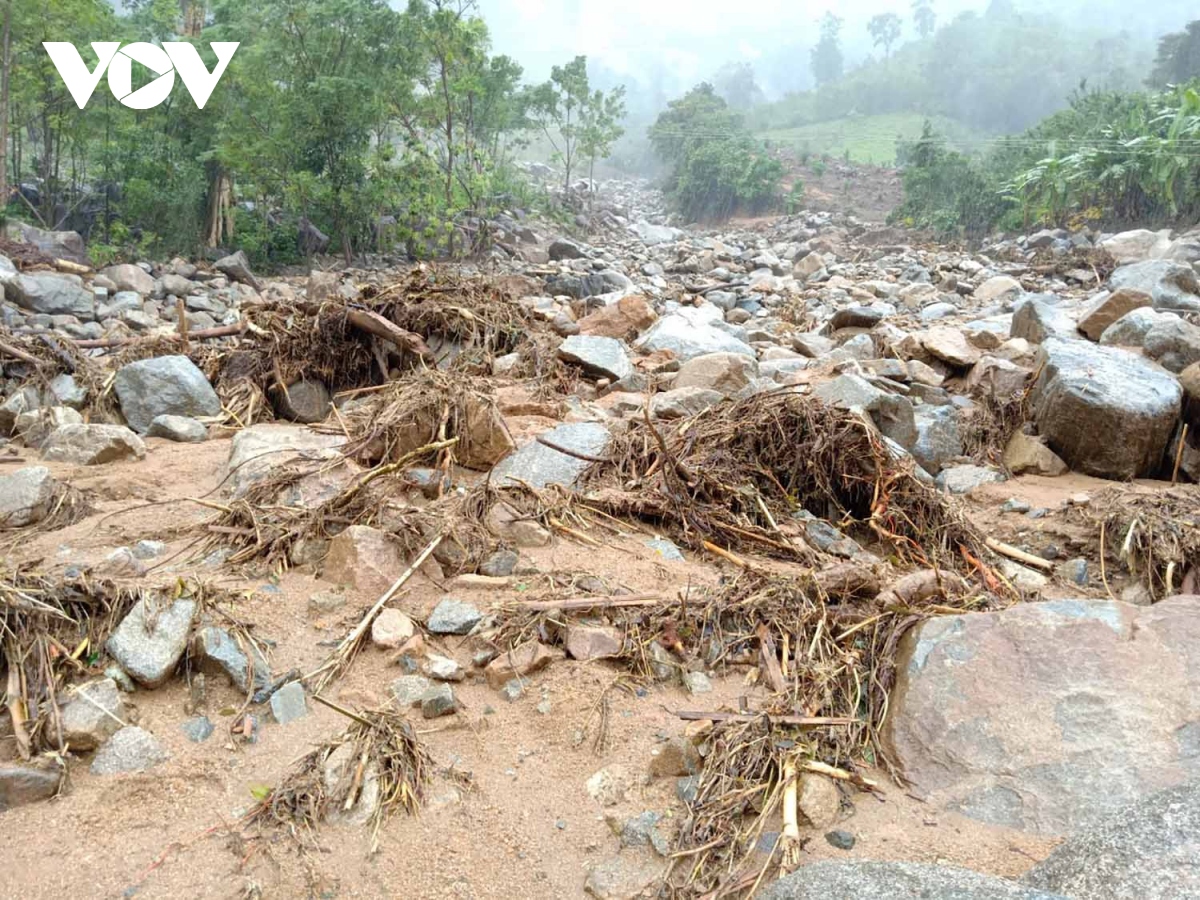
(220, 209)
(5, 73)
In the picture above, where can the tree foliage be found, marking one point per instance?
(885, 30)
(1178, 58)
(826, 58)
(924, 18)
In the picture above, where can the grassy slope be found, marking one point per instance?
(870, 139)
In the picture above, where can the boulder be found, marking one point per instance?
(151, 639)
(52, 295)
(598, 356)
(938, 437)
(860, 879)
(1135, 246)
(1028, 454)
(687, 338)
(1173, 343)
(683, 402)
(92, 445)
(216, 652)
(26, 496)
(364, 558)
(1106, 309)
(1172, 285)
(562, 248)
(964, 479)
(892, 414)
(1046, 717)
(656, 234)
(258, 450)
(24, 783)
(725, 373)
(622, 320)
(164, 385)
(66, 245)
(483, 438)
(1131, 329)
(812, 346)
(1039, 317)
(997, 289)
(128, 277)
(539, 464)
(236, 267)
(176, 285)
(950, 346)
(1105, 411)
(1149, 850)
(180, 429)
(998, 378)
(131, 749)
(857, 317)
(93, 714)
(306, 401)
(35, 426)
(68, 392)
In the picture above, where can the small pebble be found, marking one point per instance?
(843, 840)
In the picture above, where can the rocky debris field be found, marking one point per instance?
(799, 558)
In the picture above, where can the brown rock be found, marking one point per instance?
(996, 377)
(726, 373)
(820, 800)
(1028, 454)
(1047, 716)
(484, 439)
(622, 320)
(950, 345)
(22, 784)
(364, 558)
(587, 642)
(506, 523)
(391, 629)
(677, 757)
(1107, 308)
(519, 662)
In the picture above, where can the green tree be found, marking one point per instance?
(601, 128)
(736, 84)
(556, 107)
(885, 30)
(924, 17)
(826, 57)
(1178, 58)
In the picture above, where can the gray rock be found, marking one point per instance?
(165, 385)
(67, 391)
(94, 714)
(964, 479)
(180, 429)
(149, 549)
(1173, 285)
(1131, 329)
(410, 690)
(236, 267)
(66, 245)
(1105, 411)
(860, 879)
(289, 703)
(35, 426)
(1150, 850)
(892, 414)
(842, 840)
(603, 356)
(452, 616)
(439, 701)
(26, 496)
(1174, 344)
(687, 338)
(307, 401)
(1040, 316)
(857, 317)
(198, 729)
(499, 564)
(540, 465)
(683, 402)
(726, 373)
(697, 683)
(656, 234)
(562, 248)
(92, 445)
(128, 277)
(213, 650)
(642, 831)
(177, 285)
(131, 749)
(54, 295)
(258, 451)
(151, 639)
(813, 346)
(21, 784)
(1048, 717)
(938, 437)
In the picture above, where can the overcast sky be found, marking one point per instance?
(694, 37)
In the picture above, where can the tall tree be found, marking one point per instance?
(826, 58)
(1178, 58)
(924, 17)
(601, 128)
(556, 107)
(736, 84)
(885, 30)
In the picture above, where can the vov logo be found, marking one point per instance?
(164, 61)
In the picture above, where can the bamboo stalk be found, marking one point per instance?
(1019, 555)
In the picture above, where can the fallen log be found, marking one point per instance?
(373, 323)
(202, 334)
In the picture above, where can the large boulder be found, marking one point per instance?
(1131, 329)
(236, 267)
(939, 438)
(656, 234)
(26, 496)
(66, 245)
(539, 463)
(892, 414)
(1150, 850)
(998, 288)
(1039, 317)
(1107, 308)
(259, 450)
(867, 879)
(687, 338)
(1172, 285)
(163, 386)
(1047, 716)
(128, 277)
(603, 356)
(1136, 246)
(622, 320)
(1105, 411)
(1173, 343)
(92, 445)
(726, 373)
(52, 295)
